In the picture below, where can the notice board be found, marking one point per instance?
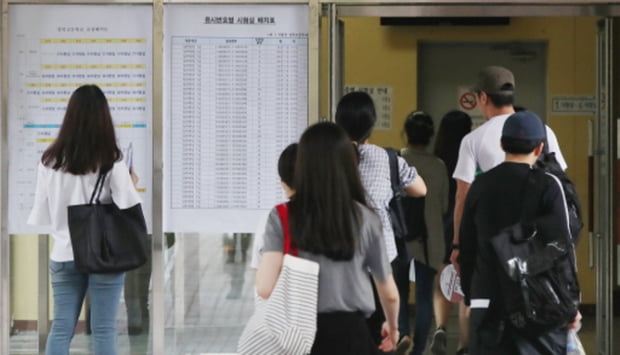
(53, 49)
(236, 79)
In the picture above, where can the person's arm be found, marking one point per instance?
(268, 272)
(376, 261)
(388, 295)
(469, 244)
(554, 146)
(122, 187)
(411, 182)
(272, 255)
(257, 243)
(417, 188)
(464, 174)
(40, 213)
(576, 321)
(462, 188)
(134, 177)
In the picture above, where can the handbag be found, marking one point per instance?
(105, 238)
(285, 323)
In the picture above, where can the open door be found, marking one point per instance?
(336, 60)
(605, 161)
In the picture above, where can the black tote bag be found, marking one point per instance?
(106, 238)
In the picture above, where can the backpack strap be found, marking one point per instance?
(288, 245)
(395, 182)
(394, 175)
(533, 192)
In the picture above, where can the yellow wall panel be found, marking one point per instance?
(387, 56)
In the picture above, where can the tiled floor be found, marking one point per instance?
(209, 297)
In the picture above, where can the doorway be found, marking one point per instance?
(446, 69)
(567, 47)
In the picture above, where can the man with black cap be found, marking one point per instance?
(494, 202)
(480, 150)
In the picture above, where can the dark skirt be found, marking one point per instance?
(343, 333)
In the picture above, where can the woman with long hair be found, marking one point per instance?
(331, 224)
(453, 127)
(86, 145)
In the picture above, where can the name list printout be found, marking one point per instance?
(238, 78)
(50, 55)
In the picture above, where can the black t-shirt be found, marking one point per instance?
(494, 202)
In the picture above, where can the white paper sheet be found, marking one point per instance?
(235, 97)
(53, 49)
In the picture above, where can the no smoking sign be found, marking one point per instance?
(467, 101)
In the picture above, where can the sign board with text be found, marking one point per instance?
(573, 105)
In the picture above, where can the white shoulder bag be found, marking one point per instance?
(285, 324)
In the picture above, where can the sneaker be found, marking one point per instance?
(463, 351)
(404, 346)
(439, 342)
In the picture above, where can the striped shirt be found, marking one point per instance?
(374, 169)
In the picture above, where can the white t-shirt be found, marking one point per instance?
(56, 190)
(481, 149)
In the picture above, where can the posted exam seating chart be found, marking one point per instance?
(53, 49)
(235, 86)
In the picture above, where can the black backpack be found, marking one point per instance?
(548, 163)
(537, 277)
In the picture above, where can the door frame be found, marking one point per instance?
(602, 177)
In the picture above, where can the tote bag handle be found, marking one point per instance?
(288, 245)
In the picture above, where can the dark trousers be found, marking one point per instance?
(490, 336)
(343, 333)
(424, 277)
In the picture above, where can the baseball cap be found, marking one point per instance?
(495, 80)
(524, 125)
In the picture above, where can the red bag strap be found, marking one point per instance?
(283, 213)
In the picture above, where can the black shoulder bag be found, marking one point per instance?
(396, 210)
(105, 238)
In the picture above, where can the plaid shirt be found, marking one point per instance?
(374, 169)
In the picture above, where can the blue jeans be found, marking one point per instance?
(70, 287)
(424, 277)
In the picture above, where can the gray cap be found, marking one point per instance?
(495, 80)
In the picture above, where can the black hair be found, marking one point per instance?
(501, 100)
(519, 146)
(324, 209)
(419, 128)
(86, 141)
(453, 127)
(286, 164)
(356, 114)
